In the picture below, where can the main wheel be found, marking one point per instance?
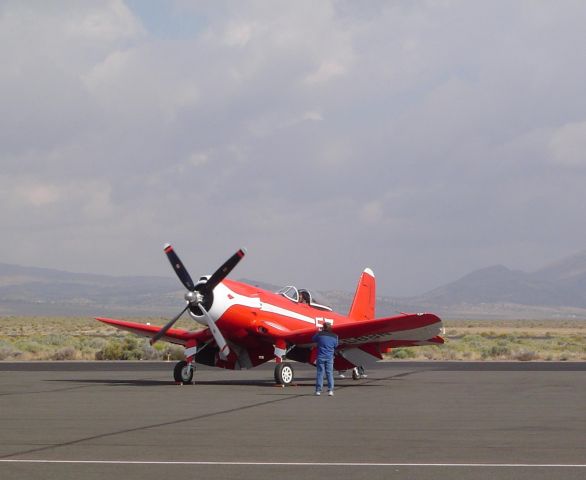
(183, 372)
(355, 374)
(284, 374)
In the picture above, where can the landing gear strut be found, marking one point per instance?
(284, 374)
(183, 372)
(358, 373)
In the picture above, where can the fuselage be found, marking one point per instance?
(239, 308)
(246, 313)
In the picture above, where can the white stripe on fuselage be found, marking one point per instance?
(267, 307)
(224, 298)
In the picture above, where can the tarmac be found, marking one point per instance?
(424, 420)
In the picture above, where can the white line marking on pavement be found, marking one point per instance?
(301, 464)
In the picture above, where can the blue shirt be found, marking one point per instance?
(326, 344)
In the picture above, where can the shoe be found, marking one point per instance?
(331, 393)
(317, 394)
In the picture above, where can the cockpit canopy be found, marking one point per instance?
(301, 295)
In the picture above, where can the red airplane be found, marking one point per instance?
(247, 326)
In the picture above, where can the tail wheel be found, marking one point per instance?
(183, 372)
(284, 374)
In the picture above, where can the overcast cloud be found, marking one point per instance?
(423, 139)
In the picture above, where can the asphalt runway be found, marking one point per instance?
(424, 420)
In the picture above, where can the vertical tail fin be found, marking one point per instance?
(365, 297)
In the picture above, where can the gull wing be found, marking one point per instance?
(173, 335)
(406, 329)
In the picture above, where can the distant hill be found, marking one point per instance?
(557, 290)
(561, 284)
(42, 291)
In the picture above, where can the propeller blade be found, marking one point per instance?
(161, 333)
(224, 270)
(218, 337)
(179, 268)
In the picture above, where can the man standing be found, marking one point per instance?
(327, 341)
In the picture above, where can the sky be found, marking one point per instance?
(422, 139)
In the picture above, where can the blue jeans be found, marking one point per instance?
(324, 365)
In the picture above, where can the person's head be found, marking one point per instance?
(328, 324)
(305, 297)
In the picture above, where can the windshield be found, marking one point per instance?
(303, 295)
(289, 292)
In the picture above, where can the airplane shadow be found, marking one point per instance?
(268, 383)
(166, 383)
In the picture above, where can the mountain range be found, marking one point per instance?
(557, 290)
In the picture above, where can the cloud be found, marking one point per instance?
(325, 72)
(39, 194)
(568, 145)
(422, 139)
(109, 22)
(238, 34)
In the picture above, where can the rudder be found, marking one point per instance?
(364, 301)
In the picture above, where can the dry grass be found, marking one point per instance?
(554, 340)
(72, 338)
(64, 338)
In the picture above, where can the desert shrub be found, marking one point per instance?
(402, 353)
(471, 338)
(174, 352)
(432, 352)
(150, 353)
(94, 342)
(526, 356)
(54, 339)
(127, 349)
(132, 348)
(8, 351)
(111, 351)
(509, 337)
(496, 351)
(31, 346)
(65, 353)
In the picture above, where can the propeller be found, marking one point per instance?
(168, 325)
(200, 297)
(180, 270)
(218, 337)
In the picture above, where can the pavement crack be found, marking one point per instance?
(36, 392)
(57, 390)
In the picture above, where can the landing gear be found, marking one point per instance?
(183, 372)
(358, 373)
(284, 374)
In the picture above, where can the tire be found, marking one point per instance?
(355, 374)
(183, 372)
(284, 374)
